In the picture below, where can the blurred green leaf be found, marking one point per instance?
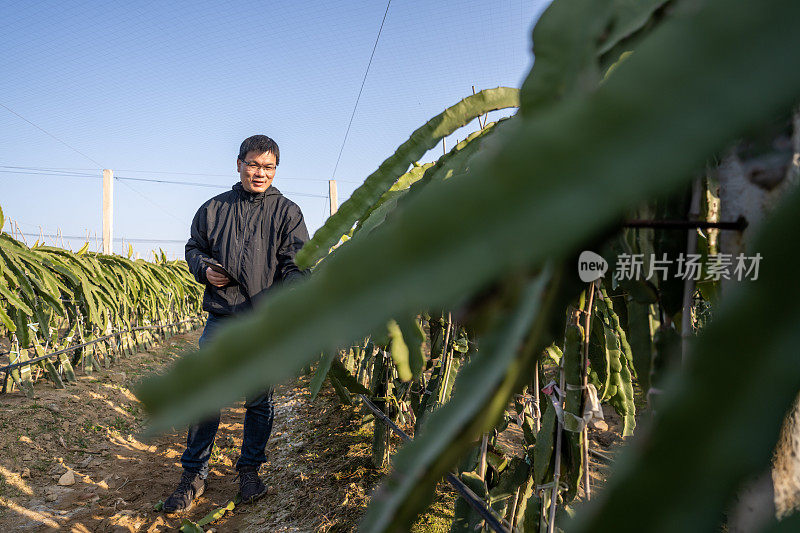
(399, 351)
(346, 379)
(321, 373)
(415, 339)
(628, 17)
(564, 43)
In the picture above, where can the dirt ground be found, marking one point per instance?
(318, 466)
(318, 469)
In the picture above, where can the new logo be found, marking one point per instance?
(591, 266)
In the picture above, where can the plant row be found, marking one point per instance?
(52, 299)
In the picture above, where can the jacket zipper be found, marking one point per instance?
(242, 236)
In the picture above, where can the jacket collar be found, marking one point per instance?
(255, 196)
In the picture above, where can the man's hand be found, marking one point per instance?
(215, 278)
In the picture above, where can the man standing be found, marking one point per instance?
(253, 232)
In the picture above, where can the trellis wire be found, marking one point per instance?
(8, 368)
(469, 496)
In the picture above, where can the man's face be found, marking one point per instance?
(256, 171)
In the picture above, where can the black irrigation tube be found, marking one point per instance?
(471, 498)
(6, 369)
(739, 225)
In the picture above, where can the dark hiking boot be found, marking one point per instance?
(190, 487)
(250, 486)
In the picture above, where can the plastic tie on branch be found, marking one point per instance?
(570, 421)
(529, 402)
(591, 407)
(551, 388)
(562, 487)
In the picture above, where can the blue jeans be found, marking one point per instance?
(257, 426)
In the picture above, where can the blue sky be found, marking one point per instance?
(168, 90)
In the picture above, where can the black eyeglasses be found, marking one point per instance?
(255, 167)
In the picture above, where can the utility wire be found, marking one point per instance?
(116, 239)
(151, 180)
(211, 185)
(84, 172)
(292, 178)
(56, 169)
(59, 174)
(163, 210)
(361, 89)
(50, 134)
(173, 182)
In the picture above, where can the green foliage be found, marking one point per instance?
(321, 372)
(615, 362)
(399, 351)
(377, 183)
(47, 291)
(414, 336)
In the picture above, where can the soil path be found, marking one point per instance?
(318, 455)
(318, 467)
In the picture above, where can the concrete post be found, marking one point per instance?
(108, 211)
(333, 196)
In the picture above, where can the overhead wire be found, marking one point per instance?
(292, 178)
(115, 239)
(211, 185)
(363, 81)
(59, 174)
(162, 208)
(126, 178)
(50, 135)
(46, 171)
(57, 169)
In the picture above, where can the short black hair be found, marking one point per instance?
(259, 144)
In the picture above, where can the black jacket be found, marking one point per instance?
(255, 236)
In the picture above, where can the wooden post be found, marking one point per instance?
(587, 330)
(333, 196)
(108, 210)
(688, 284)
(482, 461)
(537, 408)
